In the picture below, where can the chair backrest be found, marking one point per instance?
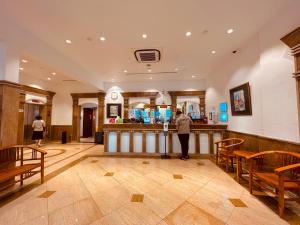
(231, 144)
(271, 160)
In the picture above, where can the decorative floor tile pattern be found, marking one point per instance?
(94, 161)
(177, 176)
(109, 174)
(237, 202)
(137, 198)
(46, 194)
(136, 194)
(146, 162)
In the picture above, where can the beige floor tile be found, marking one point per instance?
(188, 214)
(162, 201)
(82, 213)
(112, 199)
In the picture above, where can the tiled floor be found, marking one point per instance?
(136, 193)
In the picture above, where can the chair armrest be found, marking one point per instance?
(284, 169)
(224, 140)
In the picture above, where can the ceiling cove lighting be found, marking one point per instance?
(24, 60)
(144, 36)
(68, 41)
(102, 39)
(229, 31)
(188, 34)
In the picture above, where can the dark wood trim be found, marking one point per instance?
(187, 93)
(292, 39)
(144, 142)
(197, 142)
(211, 142)
(139, 94)
(8, 83)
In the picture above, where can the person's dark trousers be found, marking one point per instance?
(184, 142)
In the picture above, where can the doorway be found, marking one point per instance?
(87, 129)
(30, 112)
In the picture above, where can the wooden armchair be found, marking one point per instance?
(277, 172)
(225, 149)
(22, 162)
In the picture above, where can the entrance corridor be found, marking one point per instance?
(119, 191)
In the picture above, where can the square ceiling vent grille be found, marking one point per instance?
(147, 55)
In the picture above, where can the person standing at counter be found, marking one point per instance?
(183, 124)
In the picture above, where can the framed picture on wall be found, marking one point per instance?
(113, 110)
(240, 99)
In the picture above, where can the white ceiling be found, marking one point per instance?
(122, 23)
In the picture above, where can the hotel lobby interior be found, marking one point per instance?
(110, 79)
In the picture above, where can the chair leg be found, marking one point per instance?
(281, 196)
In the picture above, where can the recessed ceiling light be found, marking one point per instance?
(213, 52)
(24, 60)
(150, 78)
(48, 78)
(229, 31)
(68, 41)
(176, 69)
(144, 36)
(149, 70)
(125, 71)
(53, 73)
(193, 76)
(21, 68)
(102, 38)
(188, 33)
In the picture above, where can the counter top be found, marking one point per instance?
(140, 126)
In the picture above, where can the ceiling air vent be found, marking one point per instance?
(147, 55)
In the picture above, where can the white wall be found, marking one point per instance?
(267, 64)
(62, 105)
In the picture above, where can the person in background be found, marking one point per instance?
(183, 124)
(38, 126)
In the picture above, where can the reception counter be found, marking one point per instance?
(149, 138)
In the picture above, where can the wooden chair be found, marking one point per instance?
(21, 162)
(278, 172)
(225, 149)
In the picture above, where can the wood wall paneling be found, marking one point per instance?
(57, 132)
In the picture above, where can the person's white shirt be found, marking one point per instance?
(38, 125)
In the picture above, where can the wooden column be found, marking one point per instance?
(197, 142)
(144, 142)
(211, 142)
(202, 106)
(106, 147)
(9, 113)
(174, 103)
(157, 142)
(76, 120)
(20, 138)
(126, 107)
(118, 141)
(47, 115)
(101, 109)
(152, 103)
(293, 41)
(170, 141)
(131, 143)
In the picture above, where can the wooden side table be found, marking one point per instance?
(241, 154)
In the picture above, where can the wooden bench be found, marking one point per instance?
(225, 151)
(21, 162)
(277, 172)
